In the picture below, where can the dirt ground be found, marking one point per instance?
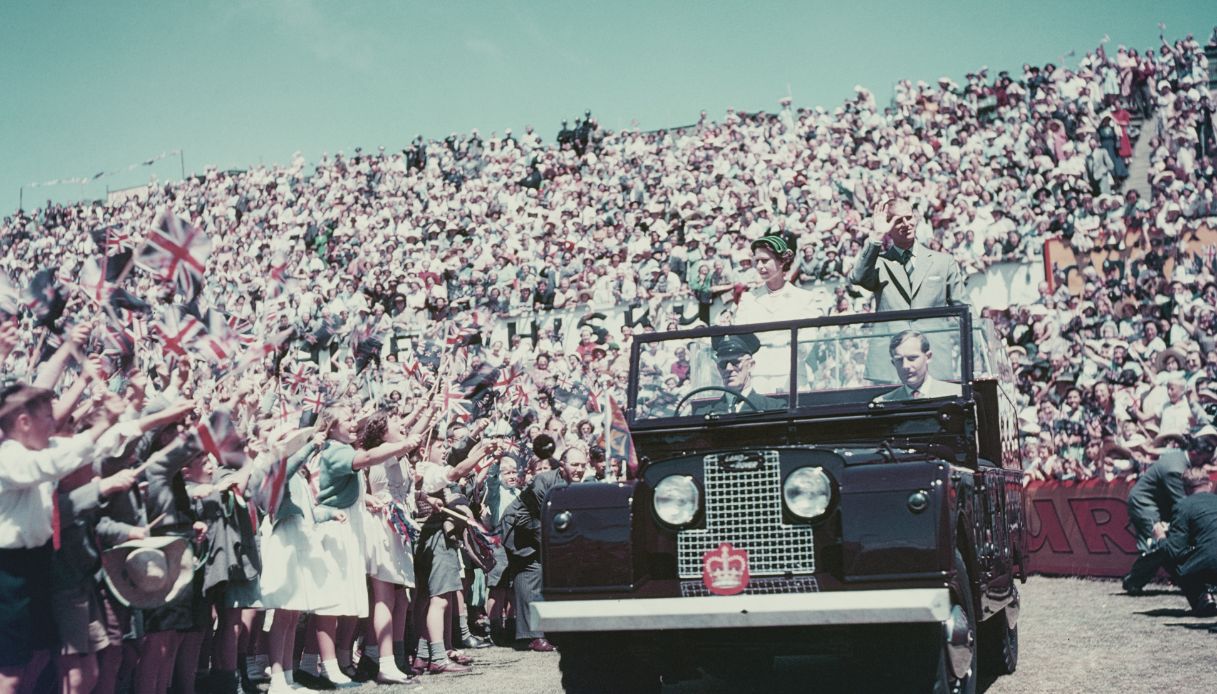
(1075, 636)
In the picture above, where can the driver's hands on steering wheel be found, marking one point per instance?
(739, 397)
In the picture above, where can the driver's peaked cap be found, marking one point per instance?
(727, 346)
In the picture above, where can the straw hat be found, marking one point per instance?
(150, 572)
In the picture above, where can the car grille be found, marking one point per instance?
(744, 507)
(760, 586)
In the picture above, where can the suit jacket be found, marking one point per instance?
(520, 526)
(1157, 492)
(935, 281)
(931, 388)
(721, 406)
(1192, 540)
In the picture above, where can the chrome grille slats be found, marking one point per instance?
(744, 507)
(760, 586)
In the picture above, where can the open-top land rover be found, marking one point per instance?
(848, 486)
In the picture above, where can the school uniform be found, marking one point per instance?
(341, 543)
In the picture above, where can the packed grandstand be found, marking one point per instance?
(490, 288)
(351, 276)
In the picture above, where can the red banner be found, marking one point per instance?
(1080, 528)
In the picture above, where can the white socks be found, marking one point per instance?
(333, 673)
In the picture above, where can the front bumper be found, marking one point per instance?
(745, 611)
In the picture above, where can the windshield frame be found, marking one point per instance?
(962, 313)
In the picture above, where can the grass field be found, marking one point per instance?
(1076, 636)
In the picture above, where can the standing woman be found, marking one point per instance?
(340, 528)
(390, 561)
(291, 580)
(775, 299)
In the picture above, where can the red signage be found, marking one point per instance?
(1080, 528)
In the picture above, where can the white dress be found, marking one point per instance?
(341, 547)
(390, 555)
(761, 305)
(292, 572)
(341, 544)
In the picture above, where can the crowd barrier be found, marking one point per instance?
(1080, 528)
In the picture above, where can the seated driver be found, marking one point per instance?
(911, 355)
(735, 356)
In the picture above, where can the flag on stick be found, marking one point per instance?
(176, 251)
(619, 442)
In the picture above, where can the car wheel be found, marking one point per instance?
(957, 661)
(600, 664)
(999, 645)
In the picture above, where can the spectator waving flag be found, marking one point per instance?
(220, 438)
(116, 248)
(619, 443)
(270, 490)
(44, 299)
(176, 251)
(98, 286)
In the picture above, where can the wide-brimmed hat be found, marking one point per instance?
(1163, 439)
(150, 572)
(1161, 357)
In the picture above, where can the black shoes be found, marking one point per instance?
(1206, 606)
(475, 641)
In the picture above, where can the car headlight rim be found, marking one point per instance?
(676, 500)
(807, 492)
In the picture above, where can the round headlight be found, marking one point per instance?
(676, 499)
(807, 492)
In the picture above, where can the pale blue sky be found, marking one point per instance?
(93, 86)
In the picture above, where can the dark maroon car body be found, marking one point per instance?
(927, 506)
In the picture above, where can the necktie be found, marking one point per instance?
(916, 394)
(55, 527)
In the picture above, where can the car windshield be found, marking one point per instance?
(867, 365)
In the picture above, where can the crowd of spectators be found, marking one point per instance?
(436, 240)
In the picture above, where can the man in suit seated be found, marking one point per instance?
(911, 355)
(735, 356)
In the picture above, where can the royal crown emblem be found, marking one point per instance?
(724, 571)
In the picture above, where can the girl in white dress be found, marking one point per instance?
(340, 513)
(390, 561)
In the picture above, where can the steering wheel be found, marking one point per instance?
(722, 389)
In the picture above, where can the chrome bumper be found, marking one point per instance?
(743, 611)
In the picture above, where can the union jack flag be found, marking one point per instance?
(457, 404)
(242, 329)
(619, 442)
(272, 487)
(178, 331)
(317, 402)
(176, 251)
(119, 340)
(43, 299)
(220, 438)
(301, 375)
(116, 249)
(111, 238)
(219, 342)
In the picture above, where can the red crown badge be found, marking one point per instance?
(724, 571)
